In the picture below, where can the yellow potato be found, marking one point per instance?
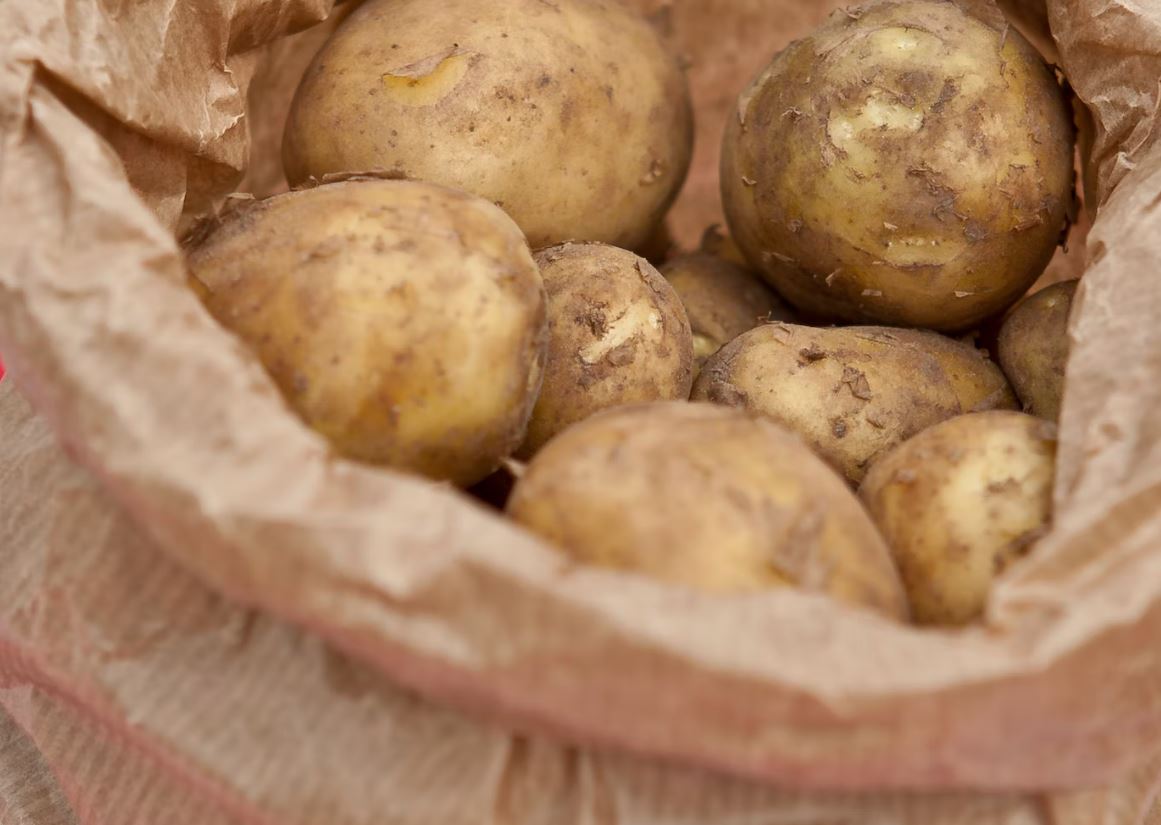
(908, 164)
(852, 393)
(617, 335)
(403, 321)
(570, 115)
(960, 502)
(722, 300)
(709, 498)
(1033, 348)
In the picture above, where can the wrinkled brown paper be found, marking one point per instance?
(1059, 689)
(132, 693)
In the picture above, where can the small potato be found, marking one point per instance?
(1033, 348)
(571, 115)
(403, 321)
(721, 299)
(853, 393)
(707, 497)
(910, 164)
(960, 502)
(617, 335)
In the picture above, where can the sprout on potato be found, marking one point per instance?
(706, 497)
(403, 321)
(910, 164)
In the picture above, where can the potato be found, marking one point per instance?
(570, 115)
(907, 163)
(721, 299)
(403, 321)
(709, 498)
(960, 502)
(1033, 348)
(617, 335)
(852, 393)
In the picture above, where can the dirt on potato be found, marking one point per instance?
(907, 163)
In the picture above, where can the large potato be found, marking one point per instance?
(907, 163)
(617, 335)
(722, 300)
(853, 393)
(960, 502)
(1033, 348)
(707, 497)
(569, 114)
(403, 321)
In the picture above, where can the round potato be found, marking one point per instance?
(853, 393)
(1033, 348)
(707, 497)
(617, 335)
(570, 115)
(960, 502)
(908, 164)
(721, 299)
(403, 321)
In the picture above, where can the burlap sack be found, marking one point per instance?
(124, 122)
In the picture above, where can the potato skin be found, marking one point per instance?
(403, 321)
(960, 502)
(979, 384)
(617, 335)
(907, 164)
(852, 393)
(707, 497)
(722, 300)
(1033, 348)
(570, 115)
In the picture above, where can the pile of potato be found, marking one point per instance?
(455, 287)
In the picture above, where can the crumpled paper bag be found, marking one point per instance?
(131, 694)
(125, 123)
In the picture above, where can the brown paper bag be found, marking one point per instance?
(123, 123)
(131, 694)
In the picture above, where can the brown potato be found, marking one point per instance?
(910, 164)
(706, 497)
(1033, 348)
(617, 335)
(960, 502)
(722, 300)
(571, 115)
(403, 321)
(853, 393)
